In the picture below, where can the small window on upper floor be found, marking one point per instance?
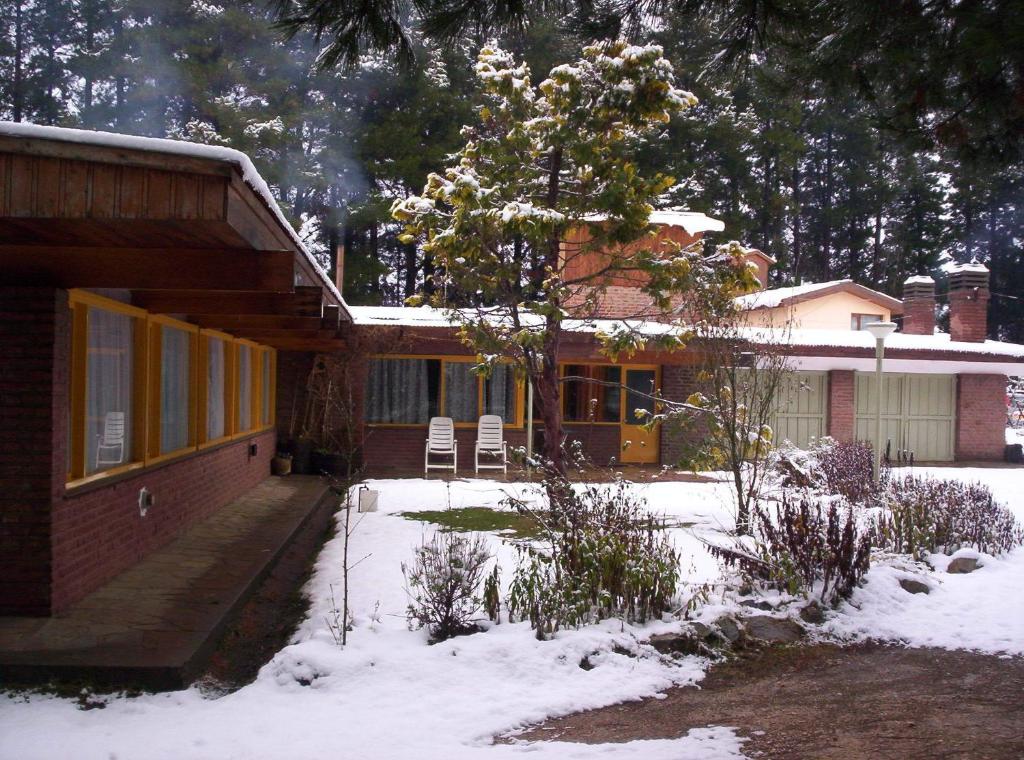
(861, 321)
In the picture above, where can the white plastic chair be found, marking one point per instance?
(441, 442)
(490, 440)
(112, 439)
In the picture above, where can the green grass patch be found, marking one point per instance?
(470, 519)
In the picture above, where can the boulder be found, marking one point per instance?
(773, 630)
(729, 629)
(813, 613)
(962, 565)
(684, 642)
(757, 604)
(912, 586)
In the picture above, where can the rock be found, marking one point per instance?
(700, 630)
(728, 628)
(813, 613)
(962, 565)
(586, 664)
(684, 642)
(757, 605)
(773, 630)
(912, 586)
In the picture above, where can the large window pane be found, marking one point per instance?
(640, 389)
(403, 391)
(244, 410)
(175, 358)
(597, 398)
(265, 398)
(108, 389)
(460, 391)
(214, 389)
(500, 393)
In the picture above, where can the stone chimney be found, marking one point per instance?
(968, 302)
(919, 305)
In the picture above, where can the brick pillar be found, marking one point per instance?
(981, 417)
(34, 344)
(919, 305)
(679, 440)
(842, 423)
(968, 303)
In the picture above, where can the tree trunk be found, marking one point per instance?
(17, 88)
(410, 269)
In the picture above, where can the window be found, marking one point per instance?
(109, 385)
(243, 398)
(500, 393)
(144, 387)
(403, 391)
(592, 394)
(266, 387)
(461, 395)
(215, 377)
(409, 391)
(861, 321)
(175, 388)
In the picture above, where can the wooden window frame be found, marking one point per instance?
(858, 316)
(624, 391)
(146, 361)
(443, 358)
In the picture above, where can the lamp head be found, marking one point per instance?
(881, 330)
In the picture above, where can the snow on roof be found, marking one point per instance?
(180, 148)
(769, 299)
(427, 316)
(694, 222)
(919, 278)
(953, 267)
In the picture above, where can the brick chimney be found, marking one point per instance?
(919, 305)
(968, 302)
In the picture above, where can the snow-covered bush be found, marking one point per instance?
(846, 468)
(803, 544)
(444, 582)
(604, 557)
(931, 515)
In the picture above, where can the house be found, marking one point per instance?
(943, 396)
(157, 314)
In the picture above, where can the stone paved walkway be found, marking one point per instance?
(154, 624)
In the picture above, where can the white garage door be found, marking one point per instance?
(801, 408)
(918, 414)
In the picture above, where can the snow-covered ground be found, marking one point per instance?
(391, 695)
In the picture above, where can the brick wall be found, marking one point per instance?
(33, 321)
(679, 440)
(601, 443)
(98, 533)
(980, 417)
(388, 448)
(841, 422)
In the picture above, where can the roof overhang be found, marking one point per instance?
(894, 305)
(186, 229)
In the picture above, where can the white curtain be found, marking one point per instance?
(265, 398)
(460, 392)
(500, 393)
(175, 358)
(214, 389)
(108, 389)
(402, 391)
(244, 388)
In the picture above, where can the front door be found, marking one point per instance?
(639, 445)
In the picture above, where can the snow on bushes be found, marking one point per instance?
(603, 557)
(804, 544)
(924, 515)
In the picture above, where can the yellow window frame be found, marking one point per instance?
(441, 390)
(146, 361)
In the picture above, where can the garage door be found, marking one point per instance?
(801, 405)
(918, 414)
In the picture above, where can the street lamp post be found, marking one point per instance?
(881, 331)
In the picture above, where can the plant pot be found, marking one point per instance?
(281, 465)
(324, 463)
(302, 451)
